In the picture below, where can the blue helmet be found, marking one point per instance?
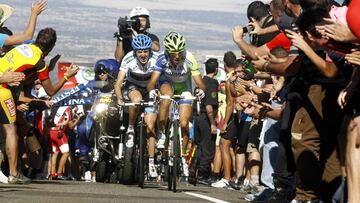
(141, 42)
(110, 66)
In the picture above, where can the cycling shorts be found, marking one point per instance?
(178, 89)
(129, 86)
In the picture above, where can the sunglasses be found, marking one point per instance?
(174, 54)
(100, 72)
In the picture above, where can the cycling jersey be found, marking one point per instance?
(27, 59)
(135, 72)
(180, 76)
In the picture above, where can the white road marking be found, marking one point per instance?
(211, 199)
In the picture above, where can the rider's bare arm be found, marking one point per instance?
(118, 84)
(154, 78)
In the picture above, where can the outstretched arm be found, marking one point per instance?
(30, 29)
(51, 89)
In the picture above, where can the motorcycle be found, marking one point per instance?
(114, 160)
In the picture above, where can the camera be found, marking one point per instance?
(124, 25)
(245, 30)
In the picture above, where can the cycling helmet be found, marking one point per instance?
(110, 66)
(139, 11)
(141, 42)
(174, 42)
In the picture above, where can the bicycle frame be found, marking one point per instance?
(174, 140)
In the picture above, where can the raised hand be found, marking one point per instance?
(72, 70)
(39, 7)
(256, 29)
(297, 40)
(237, 33)
(336, 30)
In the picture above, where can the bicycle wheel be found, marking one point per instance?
(141, 170)
(176, 154)
(168, 159)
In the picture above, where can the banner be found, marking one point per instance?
(85, 74)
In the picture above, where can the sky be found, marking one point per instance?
(85, 28)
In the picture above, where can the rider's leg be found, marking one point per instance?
(185, 112)
(165, 89)
(135, 96)
(11, 146)
(150, 120)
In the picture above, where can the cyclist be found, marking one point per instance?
(137, 67)
(174, 70)
(142, 23)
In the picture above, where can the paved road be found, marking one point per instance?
(76, 191)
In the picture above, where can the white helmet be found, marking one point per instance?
(139, 11)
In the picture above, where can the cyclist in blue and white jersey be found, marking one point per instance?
(137, 67)
(175, 68)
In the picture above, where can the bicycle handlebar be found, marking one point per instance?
(150, 103)
(178, 97)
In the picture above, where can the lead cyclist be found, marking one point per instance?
(174, 69)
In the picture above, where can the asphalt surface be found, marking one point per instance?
(77, 191)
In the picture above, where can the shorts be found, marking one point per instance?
(128, 87)
(254, 136)
(178, 89)
(7, 107)
(59, 142)
(238, 131)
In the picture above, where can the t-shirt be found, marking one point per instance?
(27, 59)
(280, 40)
(260, 40)
(135, 72)
(127, 42)
(3, 38)
(211, 96)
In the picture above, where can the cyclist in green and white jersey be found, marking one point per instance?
(174, 70)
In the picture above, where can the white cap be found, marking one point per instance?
(5, 12)
(139, 11)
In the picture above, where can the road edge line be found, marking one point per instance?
(206, 197)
